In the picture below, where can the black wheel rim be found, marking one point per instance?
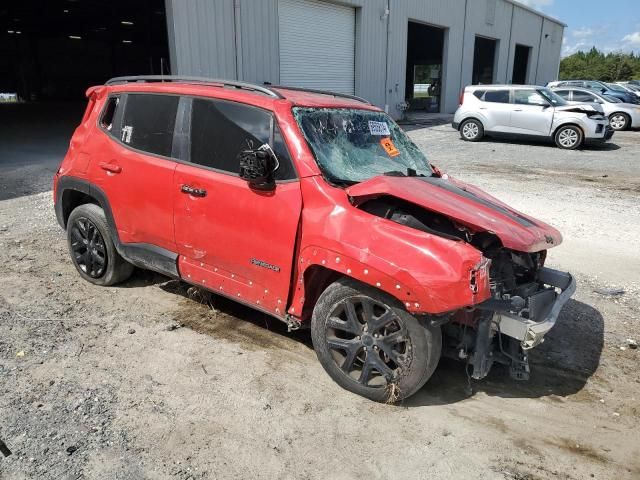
(87, 247)
(368, 341)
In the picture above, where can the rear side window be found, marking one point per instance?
(220, 130)
(563, 93)
(108, 117)
(497, 96)
(479, 93)
(584, 97)
(149, 121)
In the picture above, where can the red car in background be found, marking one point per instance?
(315, 208)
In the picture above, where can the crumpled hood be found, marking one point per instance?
(465, 204)
(588, 108)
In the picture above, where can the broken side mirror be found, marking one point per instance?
(258, 167)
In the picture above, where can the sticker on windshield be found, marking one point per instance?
(379, 128)
(389, 147)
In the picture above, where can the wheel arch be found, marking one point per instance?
(73, 192)
(324, 267)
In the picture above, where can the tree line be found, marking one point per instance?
(596, 65)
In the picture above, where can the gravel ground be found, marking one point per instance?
(153, 380)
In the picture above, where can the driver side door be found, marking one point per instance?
(232, 239)
(532, 113)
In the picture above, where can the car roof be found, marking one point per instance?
(577, 89)
(499, 86)
(260, 95)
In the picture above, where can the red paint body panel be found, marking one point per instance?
(432, 273)
(233, 225)
(139, 189)
(479, 216)
(302, 224)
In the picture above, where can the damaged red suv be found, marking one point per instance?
(315, 208)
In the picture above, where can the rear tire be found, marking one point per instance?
(619, 121)
(471, 130)
(370, 345)
(569, 137)
(91, 247)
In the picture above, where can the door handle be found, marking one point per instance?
(196, 192)
(110, 167)
(518, 110)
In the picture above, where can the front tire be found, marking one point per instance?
(370, 345)
(471, 130)
(619, 121)
(91, 247)
(569, 137)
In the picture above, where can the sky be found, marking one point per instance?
(612, 25)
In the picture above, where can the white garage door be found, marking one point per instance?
(317, 45)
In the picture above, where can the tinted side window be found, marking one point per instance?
(497, 96)
(221, 130)
(149, 121)
(583, 97)
(563, 93)
(479, 94)
(528, 97)
(109, 114)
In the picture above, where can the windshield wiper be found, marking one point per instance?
(394, 173)
(410, 173)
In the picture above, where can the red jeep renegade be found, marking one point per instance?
(315, 208)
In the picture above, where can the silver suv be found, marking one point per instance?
(528, 111)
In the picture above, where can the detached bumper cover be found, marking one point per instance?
(545, 305)
(608, 134)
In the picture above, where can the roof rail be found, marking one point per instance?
(322, 92)
(194, 81)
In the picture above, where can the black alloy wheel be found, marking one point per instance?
(88, 247)
(370, 345)
(367, 341)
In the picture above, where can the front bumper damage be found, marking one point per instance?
(542, 309)
(510, 326)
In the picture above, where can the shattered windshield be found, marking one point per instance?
(352, 146)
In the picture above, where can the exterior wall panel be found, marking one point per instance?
(549, 64)
(204, 38)
(526, 30)
(204, 42)
(478, 25)
(259, 41)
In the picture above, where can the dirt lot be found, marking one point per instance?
(149, 380)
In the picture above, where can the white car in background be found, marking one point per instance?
(528, 111)
(622, 116)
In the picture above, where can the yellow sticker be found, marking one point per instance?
(389, 147)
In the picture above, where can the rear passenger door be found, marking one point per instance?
(232, 239)
(135, 168)
(496, 107)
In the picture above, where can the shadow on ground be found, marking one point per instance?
(610, 146)
(561, 366)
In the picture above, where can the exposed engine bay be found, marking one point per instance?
(526, 297)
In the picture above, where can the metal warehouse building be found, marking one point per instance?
(398, 54)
